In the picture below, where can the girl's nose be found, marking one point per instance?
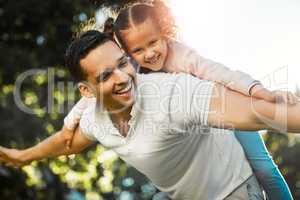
(149, 55)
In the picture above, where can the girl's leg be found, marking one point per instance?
(263, 165)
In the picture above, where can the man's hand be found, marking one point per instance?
(12, 157)
(277, 96)
(52, 146)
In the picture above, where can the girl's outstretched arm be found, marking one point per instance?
(184, 59)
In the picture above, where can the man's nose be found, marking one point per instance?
(121, 76)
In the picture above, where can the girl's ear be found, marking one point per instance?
(86, 90)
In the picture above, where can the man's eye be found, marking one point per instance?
(105, 76)
(123, 63)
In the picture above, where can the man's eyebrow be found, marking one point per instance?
(107, 70)
(120, 60)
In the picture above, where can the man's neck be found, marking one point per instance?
(123, 115)
(120, 120)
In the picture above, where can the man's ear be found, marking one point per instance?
(86, 90)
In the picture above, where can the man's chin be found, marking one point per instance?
(128, 102)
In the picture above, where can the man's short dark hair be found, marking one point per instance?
(79, 48)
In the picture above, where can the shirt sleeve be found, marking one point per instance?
(71, 121)
(87, 123)
(191, 62)
(210, 70)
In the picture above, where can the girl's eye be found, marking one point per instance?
(153, 42)
(137, 51)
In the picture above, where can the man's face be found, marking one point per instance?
(111, 75)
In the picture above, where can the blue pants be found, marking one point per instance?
(263, 166)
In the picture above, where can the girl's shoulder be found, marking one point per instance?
(180, 56)
(179, 47)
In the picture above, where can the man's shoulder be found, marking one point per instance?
(161, 77)
(168, 92)
(158, 83)
(151, 77)
(163, 81)
(88, 115)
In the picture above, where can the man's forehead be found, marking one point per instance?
(108, 50)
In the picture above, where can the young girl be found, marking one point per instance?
(146, 32)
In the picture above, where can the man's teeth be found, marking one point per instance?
(126, 89)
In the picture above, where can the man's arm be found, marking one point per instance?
(229, 109)
(53, 146)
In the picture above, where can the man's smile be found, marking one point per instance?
(125, 89)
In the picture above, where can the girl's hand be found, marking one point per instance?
(259, 92)
(69, 139)
(277, 96)
(67, 135)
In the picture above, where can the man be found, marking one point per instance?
(159, 122)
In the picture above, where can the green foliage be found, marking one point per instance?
(113, 4)
(285, 150)
(34, 35)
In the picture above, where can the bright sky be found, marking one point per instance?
(259, 37)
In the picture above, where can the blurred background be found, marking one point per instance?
(258, 37)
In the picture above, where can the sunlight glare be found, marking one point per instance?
(257, 37)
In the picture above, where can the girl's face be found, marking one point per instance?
(145, 43)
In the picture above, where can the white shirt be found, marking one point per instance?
(169, 140)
